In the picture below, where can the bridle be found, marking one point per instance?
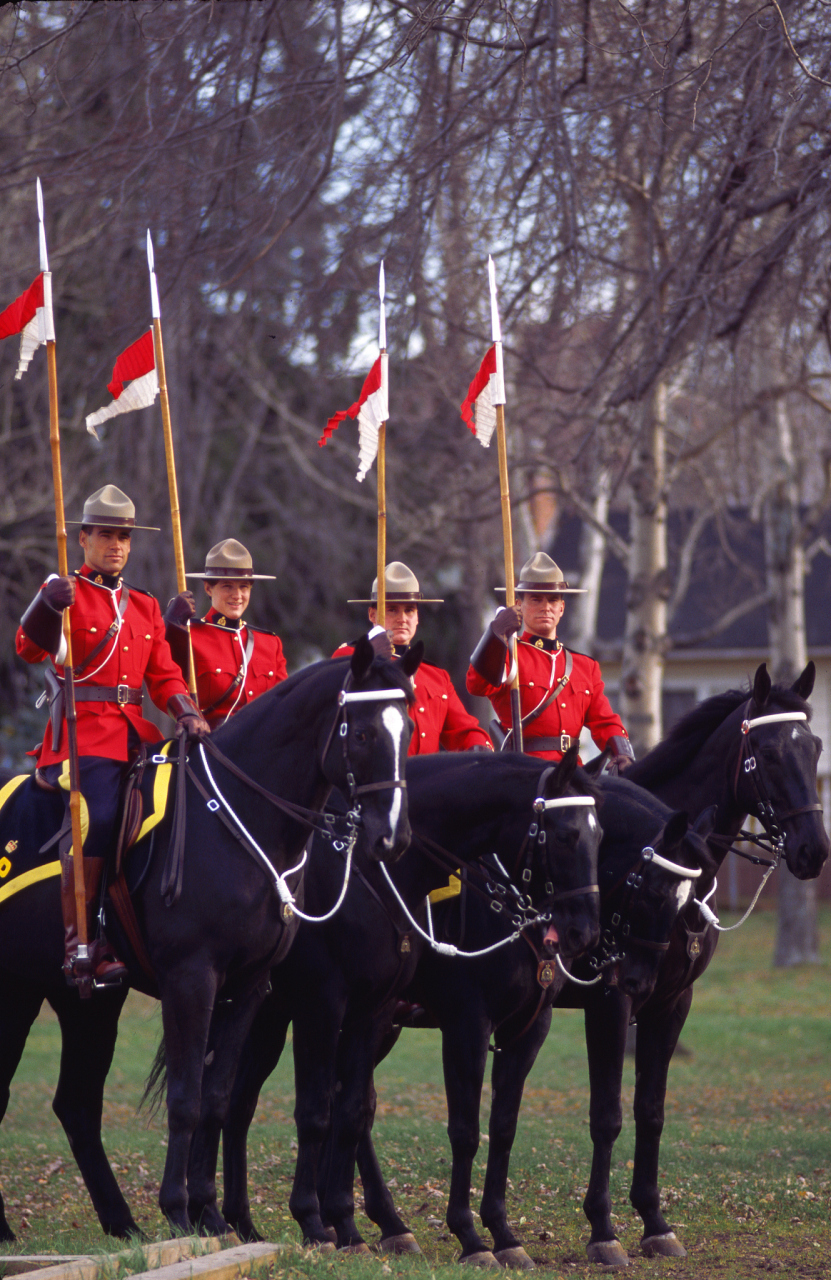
(617, 935)
(340, 725)
(773, 840)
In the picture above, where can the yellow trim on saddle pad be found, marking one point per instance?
(450, 890)
(23, 881)
(161, 787)
(28, 877)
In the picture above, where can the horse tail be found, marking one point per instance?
(155, 1086)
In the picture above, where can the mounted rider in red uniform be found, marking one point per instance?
(118, 642)
(234, 662)
(560, 690)
(439, 717)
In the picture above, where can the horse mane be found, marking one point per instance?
(523, 767)
(684, 741)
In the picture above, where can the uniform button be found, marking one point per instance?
(421, 708)
(126, 647)
(218, 670)
(147, 637)
(271, 673)
(424, 735)
(93, 630)
(562, 704)
(531, 683)
(444, 695)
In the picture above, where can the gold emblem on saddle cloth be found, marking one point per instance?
(11, 846)
(545, 974)
(5, 865)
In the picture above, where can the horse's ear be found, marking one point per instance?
(676, 827)
(705, 821)
(362, 657)
(558, 781)
(594, 768)
(761, 686)
(804, 684)
(411, 661)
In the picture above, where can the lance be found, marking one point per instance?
(498, 402)
(82, 971)
(175, 516)
(381, 557)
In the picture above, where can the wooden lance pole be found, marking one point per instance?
(82, 971)
(381, 555)
(175, 516)
(498, 400)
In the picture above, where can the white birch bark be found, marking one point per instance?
(797, 936)
(584, 609)
(646, 610)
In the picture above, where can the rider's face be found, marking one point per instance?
(105, 550)
(229, 597)
(541, 613)
(401, 621)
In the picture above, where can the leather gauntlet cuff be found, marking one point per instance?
(488, 658)
(620, 746)
(177, 638)
(42, 624)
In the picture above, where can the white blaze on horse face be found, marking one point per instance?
(682, 894)
(592, 821)
(393, 721)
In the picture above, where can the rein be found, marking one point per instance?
(323, 824)
(525, 913)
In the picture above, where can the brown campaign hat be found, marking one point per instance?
(401, 585)
(109, 508)
(541, 575)
(229, 559)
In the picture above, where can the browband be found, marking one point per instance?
(747, 725)
(563, 802)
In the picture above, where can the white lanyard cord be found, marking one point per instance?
(443, 948)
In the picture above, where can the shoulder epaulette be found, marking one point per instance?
(577, 653)
(263, 631)
(139, 591)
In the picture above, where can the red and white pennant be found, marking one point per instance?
(26, 316)
(136, 366)
(371, 409)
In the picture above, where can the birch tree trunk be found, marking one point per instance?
(797, 937)
(584, 609)
(646, 609)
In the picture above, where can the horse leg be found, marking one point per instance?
(350, 1120)
(464, 1055)
(396, 1236)
(188, 995)
(230, 1026)
(511, 1066)
(607, 1019)
(19, 1006)
(260, 1056)
(315, 1039)
(656, 1041)
(88, 1034)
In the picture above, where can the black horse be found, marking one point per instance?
(716, 754)
(341, 981)
(641, 897)
(338, 724)
(747, 753)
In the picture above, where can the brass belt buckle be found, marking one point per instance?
(122, 694)
(565, 742)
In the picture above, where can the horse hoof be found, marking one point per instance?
(358, 1249)
(405, 1243)
(319, 1246)
(516, 1258)
(666, 1246)
(482, 1259)
(329, 1233)
(607, 1253)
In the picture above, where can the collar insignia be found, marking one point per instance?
(99, 580)
(221, 621)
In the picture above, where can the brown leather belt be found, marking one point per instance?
(121, 694)
(561, 743)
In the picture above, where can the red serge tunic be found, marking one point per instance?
(439, 717)
(219, 646)
(581, 702)
(137, 652)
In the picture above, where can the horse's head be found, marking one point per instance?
(563, 865)
(776, 772)
(639, 909)
(365, 752)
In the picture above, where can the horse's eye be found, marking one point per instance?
(361, 735)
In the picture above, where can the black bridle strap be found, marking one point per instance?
(379, 786)
(310, 817)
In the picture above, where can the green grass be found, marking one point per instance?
(745, 1168)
